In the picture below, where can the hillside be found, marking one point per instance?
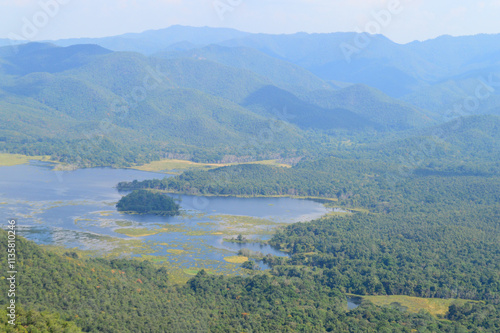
(396, 69)
(99, 98)
(373, 105)
(86, 99)
(281, 73)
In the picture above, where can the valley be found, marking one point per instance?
(212, 180)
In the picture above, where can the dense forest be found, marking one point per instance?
(63, 293)
(429, 228)
(432, 233)
(381, 138)
(147, 202)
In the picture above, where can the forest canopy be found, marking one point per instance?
(148, 202)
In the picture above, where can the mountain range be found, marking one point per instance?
(207, 91)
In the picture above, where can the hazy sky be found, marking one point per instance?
(400, 20)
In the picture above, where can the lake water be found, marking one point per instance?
(76, 209)
(353, 302)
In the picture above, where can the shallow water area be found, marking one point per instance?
(76, 209)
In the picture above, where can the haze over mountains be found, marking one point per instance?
(209, 90)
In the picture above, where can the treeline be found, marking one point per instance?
(255, 179)
(354, 182)
(99, 295)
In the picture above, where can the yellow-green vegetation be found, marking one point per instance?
(17, 159)
(65, 167)
(78, 220)
(244, 225)
(336, 213)
(197, 233)
(177, 251)
(143, 232)
(435, 306)
(236, 259)
(109, 247)
(173, 164)
(182, 165)
(122, 223)
(192, 271)
(106, 213)
(271, 163)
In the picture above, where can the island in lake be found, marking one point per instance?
(148, 202)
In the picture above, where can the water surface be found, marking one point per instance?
(77, 209)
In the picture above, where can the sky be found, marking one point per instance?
(400, 20)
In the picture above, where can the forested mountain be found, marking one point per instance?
(41, 57)
(374, 60)
(86, 99)
(281, 73)
(463, 147)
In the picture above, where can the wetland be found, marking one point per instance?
(75, 209)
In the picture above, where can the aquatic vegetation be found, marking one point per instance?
(232, 225)
(142, 232)
(236, 259)
(177, 251)
(124, 223)
(137, 232)
(106, 213)
(77, 220)
(189, 240)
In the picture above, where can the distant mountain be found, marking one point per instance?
(398, 70)
(155, 105)
(463, 145)
(42, 57)
(281, 73)
(374, 106)
(474, 93)
(153, 41)
(272, 101)
(393, 68)
(203, 102)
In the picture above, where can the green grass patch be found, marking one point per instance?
(17, 159)
(122, 223)
(231, 225)
(105, 213)
(437, 307)
(173, 164)
(142, 232)
(182, 165)
(236, 259)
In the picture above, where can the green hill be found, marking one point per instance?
(281, 73)
(91, 100)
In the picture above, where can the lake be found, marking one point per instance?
(76, 209)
